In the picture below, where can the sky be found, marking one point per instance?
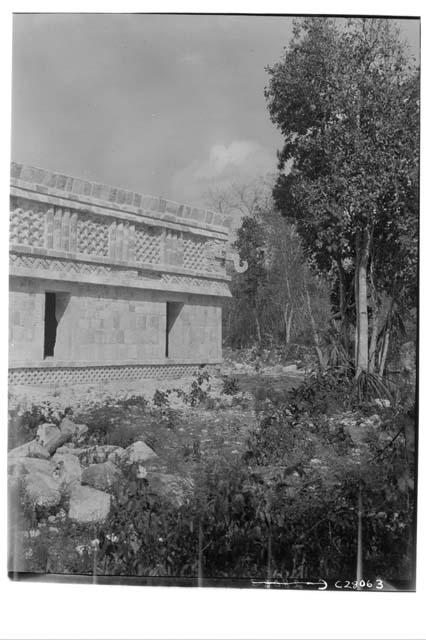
(165, 105)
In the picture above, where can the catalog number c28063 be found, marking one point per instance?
(359, 584)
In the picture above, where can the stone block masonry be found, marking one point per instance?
(109, 284)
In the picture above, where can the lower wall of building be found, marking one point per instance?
(106, 326)
(65, 376)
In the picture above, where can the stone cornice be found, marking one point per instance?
(82, 192)
(43, 266)
(141, 217)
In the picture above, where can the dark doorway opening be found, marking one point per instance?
(172, 311)
(50, 324)
(54, 308)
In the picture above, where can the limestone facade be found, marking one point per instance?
(107, 284)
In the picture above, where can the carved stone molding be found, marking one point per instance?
(240, 267)
(92, 375)
(80, 271)
(85, 234)
(54, 184)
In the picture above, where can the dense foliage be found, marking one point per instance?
(346, 98)
(277, 301)
(286, 509)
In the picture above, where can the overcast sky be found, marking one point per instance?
(164, 105)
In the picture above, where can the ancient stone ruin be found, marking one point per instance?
(107, 284)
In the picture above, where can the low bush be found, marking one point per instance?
(200, 388)
(161, 398)
(24, 421)
(230, 386)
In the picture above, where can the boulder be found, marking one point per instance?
(102, 453)
(169, 486)
(77, 452)
(23, 466)
(69, 450)
(31, 449)
(72, 429)
(88, 505)
(116, 455)
(57, 441)
(42, 490)
(138, 452)
(67, 470)
(47, 433)
(371, 421)
(101, 476)
(93, 454)
(383, 403)
(15, 467)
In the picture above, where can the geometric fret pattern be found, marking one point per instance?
(64, 229)
(193, 253)
(27, 227)
(147, 244)
(92, 236)
(125, 274)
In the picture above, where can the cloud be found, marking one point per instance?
(240, 161)
(192, 58)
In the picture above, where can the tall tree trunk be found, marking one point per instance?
(363, 241)
(384, 352)
(288, 317)
(315, 334)
(385, 342)
(372, 351)
(257, 325)
(343, 304)
(373, 341)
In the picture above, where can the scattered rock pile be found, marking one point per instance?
(56, 469)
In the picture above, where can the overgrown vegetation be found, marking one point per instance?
(331, 240)
(285, 508)
(346, 98)
(330, 285)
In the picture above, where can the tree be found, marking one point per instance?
(293, 290)
(269, 303)
(243, 202)
(250, 245)
(345, 98)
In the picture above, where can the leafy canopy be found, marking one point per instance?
(345, 97)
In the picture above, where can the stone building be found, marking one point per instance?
(107, 284)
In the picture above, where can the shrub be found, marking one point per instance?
(23, 423)
(199, 388)
(230, 386)
(133, 401)
(161, 398)
(102, 421)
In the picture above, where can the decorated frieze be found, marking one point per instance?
(80, 270)
(66, 375)
(38, 225)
